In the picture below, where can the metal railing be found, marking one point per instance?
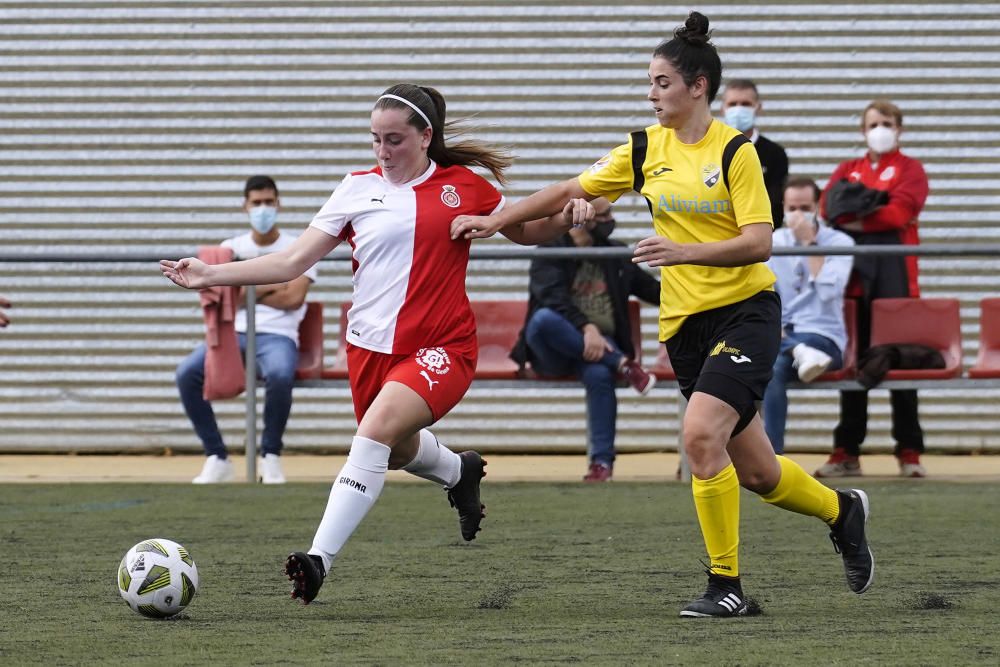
(497, 252)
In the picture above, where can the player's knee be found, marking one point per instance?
(702, 445)
(758, 481)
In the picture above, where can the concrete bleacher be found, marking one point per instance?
(132, 126)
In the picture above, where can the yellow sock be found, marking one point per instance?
(798, 491)
(717, 501)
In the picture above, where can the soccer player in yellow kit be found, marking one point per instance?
(720, 317)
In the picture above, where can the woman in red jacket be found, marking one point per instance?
(902, 179)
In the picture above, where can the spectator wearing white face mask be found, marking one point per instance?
(903, 181)
(811, 287)
(280, 309)
(740, 107)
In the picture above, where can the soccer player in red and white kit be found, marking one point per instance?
(411, 334)
(883, 167)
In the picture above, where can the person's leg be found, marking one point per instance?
(776, 394)
(558, 344)
(277, 357)
(394, 417)
(426, 457)
(782, 482)
(441, 377)
(852, 428)
(824, 345)
(602, 411)
(190, 384)
(777, 479)
(708, 421)
(907, 433)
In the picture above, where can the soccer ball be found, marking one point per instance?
(157, 578)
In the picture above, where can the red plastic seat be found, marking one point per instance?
(988, 359)
(310, 363)
(338, 369)
(662, 368)
(850, 365)
(497, 326)
(935, 323)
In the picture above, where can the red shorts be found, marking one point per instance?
(441, 376)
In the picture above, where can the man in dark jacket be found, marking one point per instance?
(741, 106)
(577, 324)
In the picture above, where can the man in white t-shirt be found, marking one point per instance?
(280, 309)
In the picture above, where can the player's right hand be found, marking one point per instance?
(474, 226)
(189, 272)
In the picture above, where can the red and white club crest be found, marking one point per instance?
(434, 359)
(450, 197)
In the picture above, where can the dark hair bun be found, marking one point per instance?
(695, 29)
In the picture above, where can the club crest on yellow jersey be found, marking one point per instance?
(710, 174)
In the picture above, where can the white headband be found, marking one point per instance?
(409, 104)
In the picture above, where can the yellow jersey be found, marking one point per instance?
(693, 199)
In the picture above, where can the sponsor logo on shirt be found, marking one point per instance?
(677, 204)
(450, 197)
(600, 164)
(710, 174)
(434, 359)
(662, 170)
(887, 174)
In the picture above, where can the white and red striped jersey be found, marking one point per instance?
(409, 275)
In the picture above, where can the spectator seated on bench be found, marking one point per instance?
(578, 325)
(278, 314)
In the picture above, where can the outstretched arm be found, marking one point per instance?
(279, 267)
(531, 209)
(533, 232)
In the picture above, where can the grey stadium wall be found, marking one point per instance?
(131, 126)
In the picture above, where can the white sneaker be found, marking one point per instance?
(810, 361)
(270, 470)
(214, 471)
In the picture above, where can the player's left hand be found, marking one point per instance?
(658, 251)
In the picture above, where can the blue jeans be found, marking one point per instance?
(557, 349)
(277, 357)
(776, 395)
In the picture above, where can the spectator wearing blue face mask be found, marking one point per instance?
(280, 309)
(740, 107)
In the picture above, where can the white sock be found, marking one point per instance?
(355, 490)
(435, 462)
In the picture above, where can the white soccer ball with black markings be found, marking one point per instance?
(157, 578)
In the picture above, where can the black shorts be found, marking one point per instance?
(729, 352)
